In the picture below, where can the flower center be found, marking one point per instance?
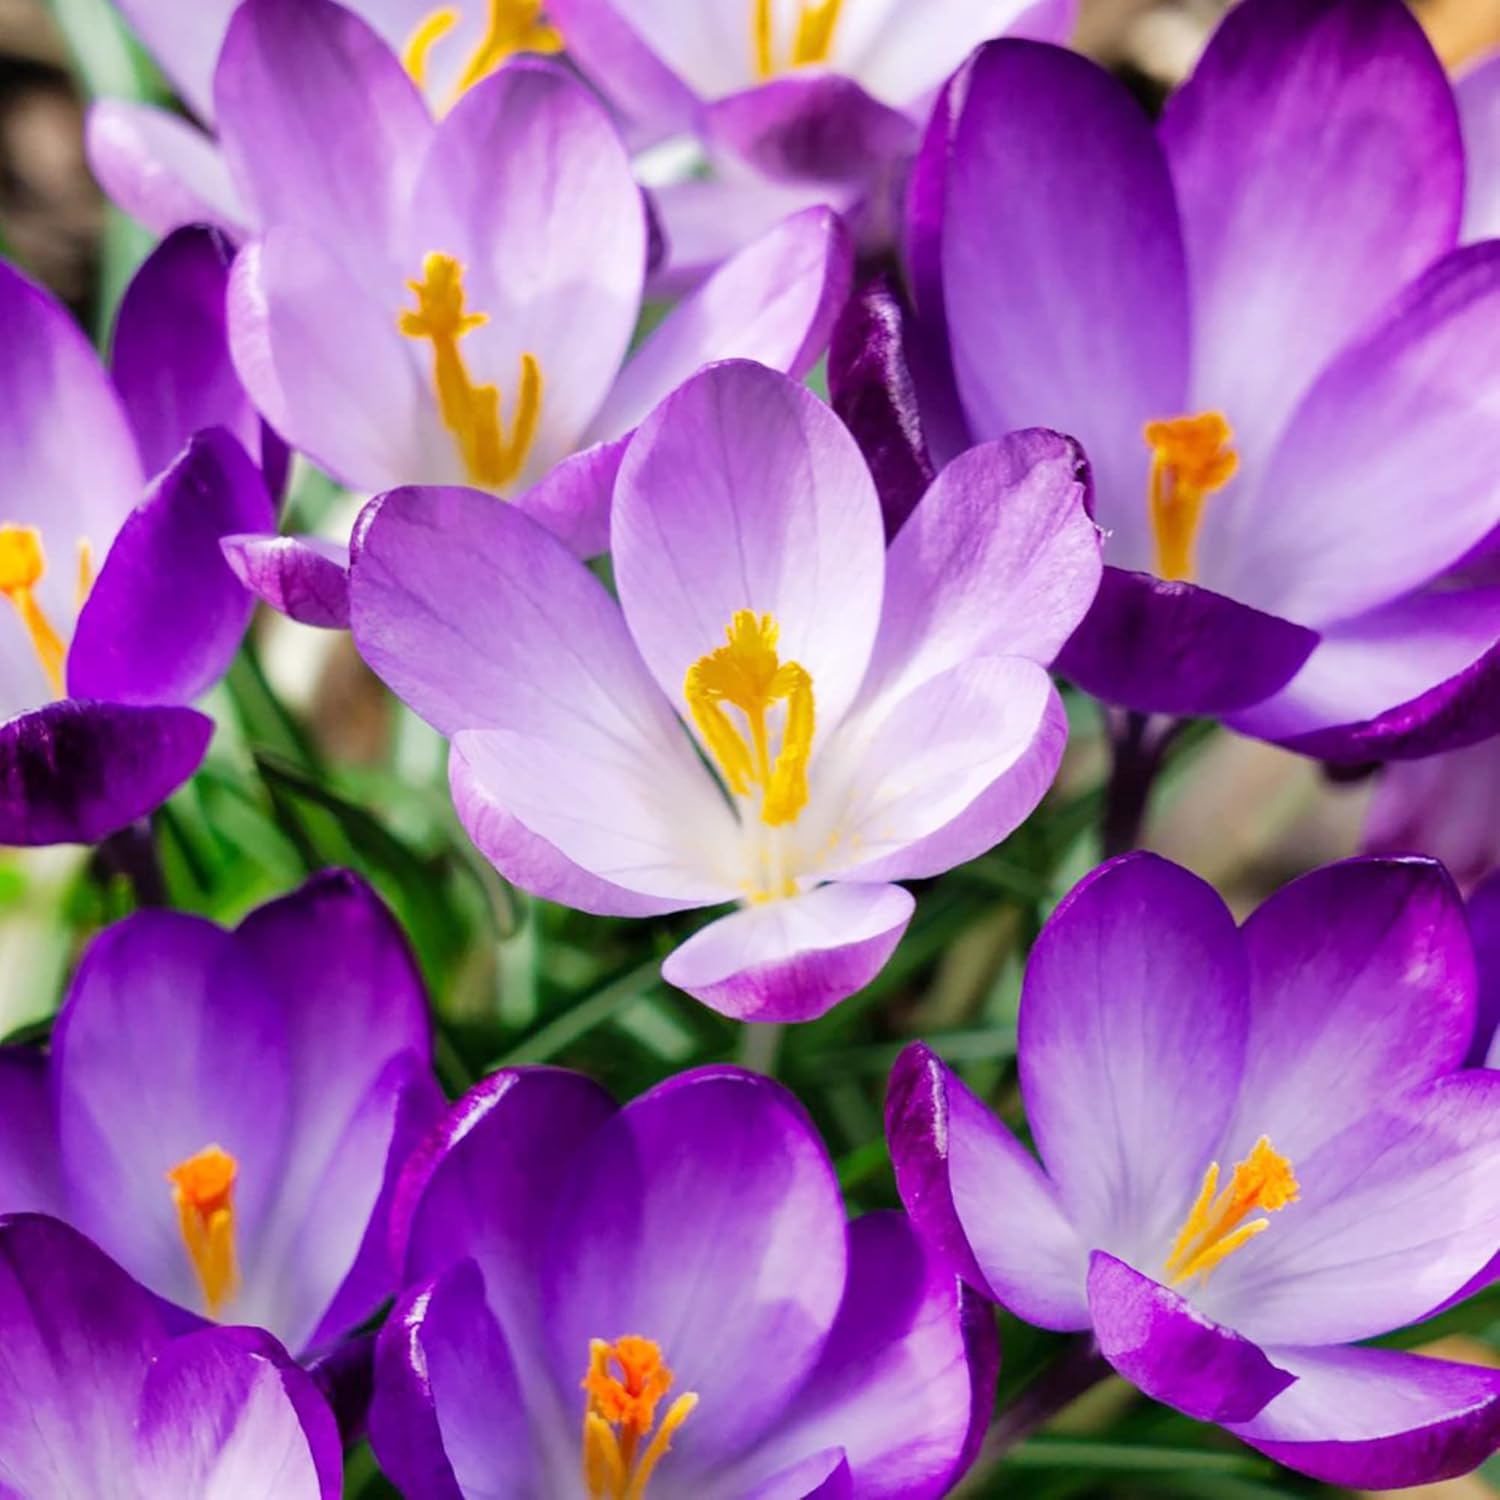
(203, 1190)
(811, 42)
(1216, 1225)
(1190, 460)
(23, 564)
(626, 1381)
(512, 26)
(492, 457)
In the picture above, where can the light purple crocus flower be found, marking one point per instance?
(1284, 375)
(1259, 1147)
(118, 608)
(664, 1301)
(225, 1112)
(858, 716)
(105, 1399)
(793, 102)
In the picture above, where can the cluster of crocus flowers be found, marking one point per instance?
(858, 715)
(117, 609)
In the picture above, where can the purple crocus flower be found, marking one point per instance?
(104, 1399)
(1258, 1148)
(118, 607)
(1479, 110)
(224, 1112)
(794, 102)
(1284, 375)
(857, 716)
(664, 1301)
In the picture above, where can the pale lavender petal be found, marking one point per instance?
(1478, 94)
(305, 578)
(185, 42)
(1447, 805)
(573, 500)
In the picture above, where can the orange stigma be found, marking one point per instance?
(1190, 460)
(812, 42)
(22, 566)
(626, 1382)
(1215, 1226)
(203, 1190)
(512, 26)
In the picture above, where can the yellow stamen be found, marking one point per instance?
(203, 1190)
(748, 674)
(22, 566)
(492, 458)
(512, 26)
(1215, 1226)
(626, 1381)
(85, 570)
(1190, 460)
(812, 42)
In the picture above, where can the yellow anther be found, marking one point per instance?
(85, 570)
(626, 1381)
(1190, 460)
(812, 41)
(492, 458)
(749, 675)
(1216, 1224)
(511, 26)
(203, 1190)
(22, 567)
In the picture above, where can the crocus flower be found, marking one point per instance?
(118, 607)
(105, 1400)
(1258, 1148)
(224, 1112)
(809, 101)
(1285, 377)
(1478, 94)
(664, 1301)
(856, 717)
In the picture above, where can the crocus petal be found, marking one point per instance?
(133, 1104)
(1478, 95)
(572, 500)
(1174, 648)
(1317, 163)
(706, 1216)
(1484, 924)
(29, 1181)
(528, 184)
(1448, 805)
(773, 303)
(979, 1198)
(320, 123)
(219, 1422)
(1410, 679)
(78, 1333)
(1375, 1419)
(824, 1476)
(165, 615)
(305, 578)
(1138, 976)
(184, 43)
(1408, 409)
(743, 491)
(1157, 1341)
(161, 169)
(893, 1386)
(170, 355)
(70, 773)
(1077, 322)
(1362, 986)
(792, 959)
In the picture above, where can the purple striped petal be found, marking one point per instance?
(305, 578)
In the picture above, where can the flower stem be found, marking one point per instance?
(1139, 742)
(132, 853)
(760, 1046)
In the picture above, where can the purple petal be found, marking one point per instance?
(160, 169)
(1138, 977)
(305, 578)
(572, 499)
(1317, 163)
(1061, 319)
(219, 1419)
(70, 773)
(29, 1170)
(185, 43)
(824, 1476)
(1174, 648)
(774, 303)
(170, 355)
(821, 126)
(1478, 95)
(980, 1199)
(795, 958)
(1484, 923)
(743, 491)
(1155, 1340)
(1373, 1419)
(166, 615)
(1447, 805)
